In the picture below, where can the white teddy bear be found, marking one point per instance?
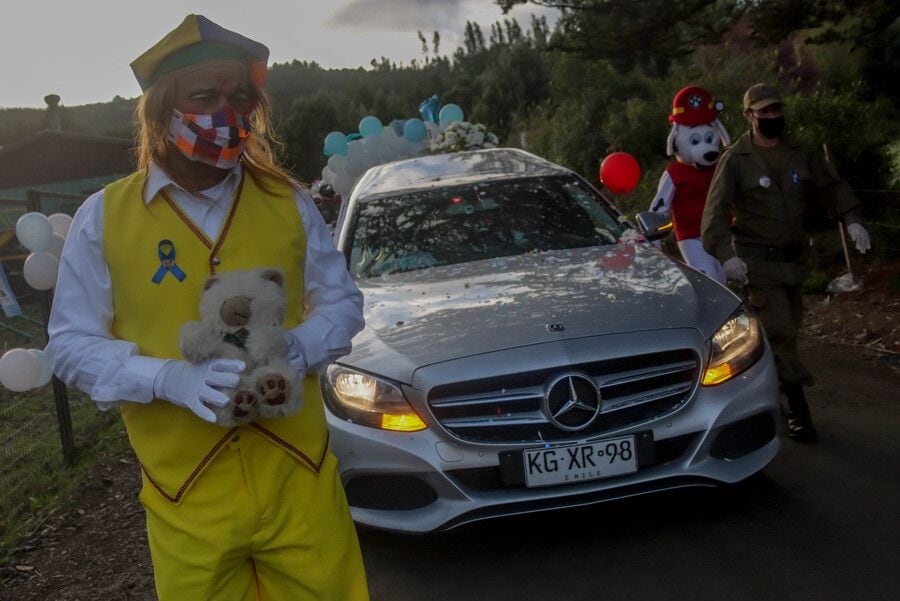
(241, 315)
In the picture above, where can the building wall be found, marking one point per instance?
(53, 156)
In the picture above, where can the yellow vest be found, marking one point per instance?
(263, 229)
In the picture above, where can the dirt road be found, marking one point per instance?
(820, 523)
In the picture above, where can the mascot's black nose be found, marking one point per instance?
(710, 157)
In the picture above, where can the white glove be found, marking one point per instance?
(860, 237)
(736, 270)
(295, 357)
(187, 385)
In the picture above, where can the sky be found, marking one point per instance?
(81, 49)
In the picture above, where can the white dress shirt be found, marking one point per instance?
(84, 353)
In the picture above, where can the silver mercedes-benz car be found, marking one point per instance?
(526, 349)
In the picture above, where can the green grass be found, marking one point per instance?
(816, 282)
(39, 481)
(34, 478)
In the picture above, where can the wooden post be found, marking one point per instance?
(842, 228)
(60, 392)
(61, 400)
(847, 254)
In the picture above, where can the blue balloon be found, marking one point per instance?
(428, 108)
(370, 126)
(450, 113)
(335, 143)
(414, 130)
(397, 125)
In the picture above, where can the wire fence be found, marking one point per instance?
(881, 217)
(41, 430)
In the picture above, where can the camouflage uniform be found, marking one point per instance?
(768, 197)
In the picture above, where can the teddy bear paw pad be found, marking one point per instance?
(244, 403)
(274, 389)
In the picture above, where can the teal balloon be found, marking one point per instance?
(450, 113)
(335, 143)
(414, 130)
(370, 126)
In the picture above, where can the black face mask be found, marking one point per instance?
(771, 127)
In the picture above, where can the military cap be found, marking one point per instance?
(761, 95)
(195, 40)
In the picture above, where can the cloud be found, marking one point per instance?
(404, 15)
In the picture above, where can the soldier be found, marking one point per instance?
(766, 182)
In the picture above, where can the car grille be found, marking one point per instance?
(508, 408)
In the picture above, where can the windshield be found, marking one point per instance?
(445, 226)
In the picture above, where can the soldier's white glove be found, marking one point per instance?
(860, 237)
(195, 386)
(736, 270)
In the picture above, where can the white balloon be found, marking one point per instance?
(46, 368)
(328, 175)
(414, 149)
(19, 370)
(343, 184)
(402, 150)
(337, 163)
(387, 153)
(358, 157)
(56, 245)
(60, 223)
(33, 231)
(40, 270)
(355, 147)
(355, 165)
(390, 141)
(373, 150)
(364, 151)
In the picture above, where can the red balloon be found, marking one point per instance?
(620, 172)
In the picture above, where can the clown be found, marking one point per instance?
(695, 140)
(233, 510)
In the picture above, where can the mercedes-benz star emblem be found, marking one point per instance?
(572, 402)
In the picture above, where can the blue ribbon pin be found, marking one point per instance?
(166, 252)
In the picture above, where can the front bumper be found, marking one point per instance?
(428, 480)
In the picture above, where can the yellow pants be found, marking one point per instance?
(256, 525)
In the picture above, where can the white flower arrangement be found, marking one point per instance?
(631, 236)
(462, 135)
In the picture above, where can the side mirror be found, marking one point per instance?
(653, 225)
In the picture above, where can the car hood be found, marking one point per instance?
(427, 316)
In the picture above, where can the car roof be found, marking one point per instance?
(450, 169)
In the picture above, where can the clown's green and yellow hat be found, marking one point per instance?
(198, 39)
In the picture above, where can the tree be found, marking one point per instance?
(311, 118)
(636, 33)
(652, 33)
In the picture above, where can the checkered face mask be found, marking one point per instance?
(217, 139)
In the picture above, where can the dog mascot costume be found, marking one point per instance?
(695, 140)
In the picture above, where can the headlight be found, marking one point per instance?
(736, 346)
(369, 401)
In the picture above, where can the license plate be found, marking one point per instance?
(577, 463)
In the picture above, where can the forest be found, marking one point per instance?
(602, 80)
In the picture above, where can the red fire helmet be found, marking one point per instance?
(694, 106)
